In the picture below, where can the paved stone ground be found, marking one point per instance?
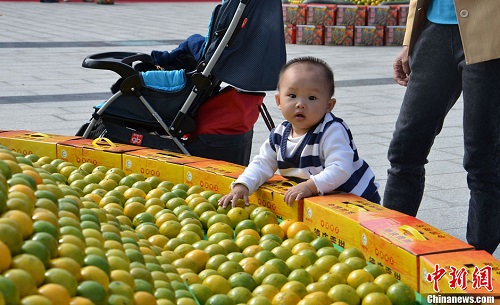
(44, 88)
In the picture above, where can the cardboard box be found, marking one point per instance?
(369, 35)
(168, 166)
(339, 35)
(294, 13)
(468, 272)
(394, 35)
(30, 142)
(398, 243)
(352, 15)
(310, 34)
(403, 13)
(271, 195)
(99, 151)
(338, 217)
(321, 14)
(383, 15)
(290, 33)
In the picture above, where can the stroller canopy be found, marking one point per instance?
(256, 53)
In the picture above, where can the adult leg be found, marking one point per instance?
(481, 87)
(434, 87)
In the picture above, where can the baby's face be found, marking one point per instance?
(303, 97)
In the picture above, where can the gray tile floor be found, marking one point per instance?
(44, 88)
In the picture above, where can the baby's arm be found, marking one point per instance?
(302, 190)
(262, 167)
(239, 191)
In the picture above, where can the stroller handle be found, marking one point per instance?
(119, 62)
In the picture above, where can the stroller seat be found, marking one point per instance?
(164, 109)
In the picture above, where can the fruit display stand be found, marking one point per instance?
(88, 233)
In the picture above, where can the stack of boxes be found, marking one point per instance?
(344, 25)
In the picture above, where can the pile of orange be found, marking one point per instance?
(87, 234)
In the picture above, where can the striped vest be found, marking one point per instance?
(307, 156)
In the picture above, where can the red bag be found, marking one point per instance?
(231, 111)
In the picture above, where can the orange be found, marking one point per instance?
(302, 276)
(297, 262)
(35, 300)
(285, 298)
(265, 290)
(321, 298)
(93, 291)
(259, 300)
(296, 227)
(24, 282)
(217, 284)
(351, 252)
(11, 237)
(250, 232)
(9, 291)
(133, 208)
(68, 264)
(261, 272)
(385, 281)
(220, 228)
(240, 295)
(273, 228)
(200, 257)
(62, 277)
(94, 273)
(123, 276)
(6, 257)
(56, 293)
(144, 298)
(358, 277)
(265, 217)
(367, 288)
(78, 300)
(250, 264)
(170, 228)
(32, 264)
(344, 293)
(237, 214)
(401, 293)
(134, 192)
(252, 250)
(296, 287)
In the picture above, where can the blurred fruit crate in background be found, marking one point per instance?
(328, 19)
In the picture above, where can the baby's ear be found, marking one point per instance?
(331, 104)
(277, 98)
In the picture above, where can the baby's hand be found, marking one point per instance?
(239, 192)
(300, 191)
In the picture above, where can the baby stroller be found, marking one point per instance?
(189, 110)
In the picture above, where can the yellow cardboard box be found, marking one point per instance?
(168, 166)
(271, 195)
(29, 142)
(216, 176)
(474, 273)
(338, 217)
(398, 243)
(100, 151)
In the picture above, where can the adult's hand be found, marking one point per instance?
(401, 67)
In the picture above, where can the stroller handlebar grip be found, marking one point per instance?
(119, 62)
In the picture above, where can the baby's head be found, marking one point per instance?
(305, 92)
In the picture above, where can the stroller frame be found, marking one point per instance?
(200, 80)
(188, 110)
